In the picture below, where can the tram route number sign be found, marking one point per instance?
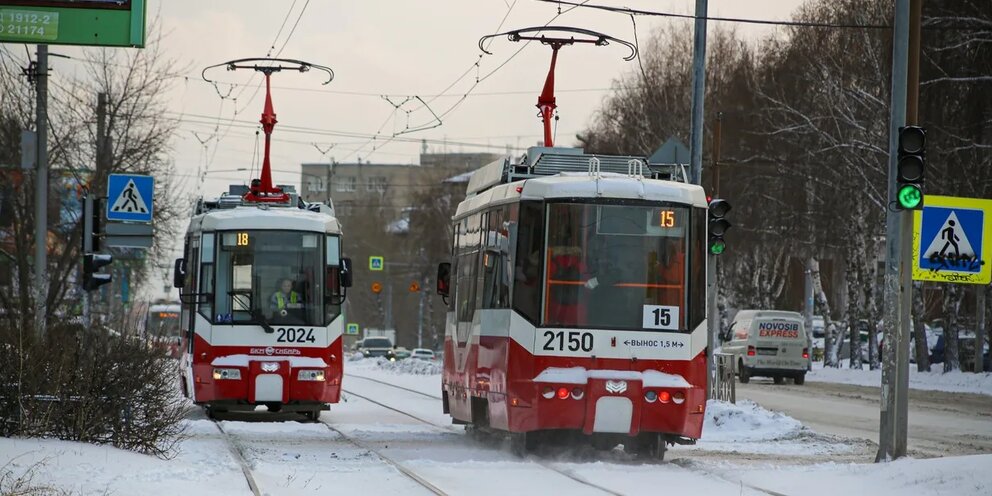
(660, 317)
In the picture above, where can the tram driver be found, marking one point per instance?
(285, 299)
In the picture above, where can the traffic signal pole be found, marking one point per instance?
(894, 387)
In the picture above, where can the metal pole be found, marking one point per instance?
(41, 196)
(980, 331)
(906, 280)
(712, 322)
(808, 307)
(87, 248)
(420, 318)
(893, 260)
(698, 92)
(717, 141)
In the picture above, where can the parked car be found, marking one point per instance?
(422, 354)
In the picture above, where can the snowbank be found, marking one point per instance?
(955, 382)
(746, 422)
(405, 366)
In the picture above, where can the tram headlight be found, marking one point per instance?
(310, 375)
(230, 374)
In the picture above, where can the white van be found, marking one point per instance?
(769, 343)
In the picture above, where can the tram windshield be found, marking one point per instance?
(277, 277)
(616, 266)
(162, 321)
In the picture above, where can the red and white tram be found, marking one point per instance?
(262, 283)
(261, 287)
(577, 298)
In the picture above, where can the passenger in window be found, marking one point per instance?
(285, 299)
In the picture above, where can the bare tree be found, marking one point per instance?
(136, 83)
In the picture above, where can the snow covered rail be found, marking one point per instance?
(239, 457)
(431, 396)
(547, 465)
(405, 470)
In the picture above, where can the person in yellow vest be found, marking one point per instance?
(284, 298)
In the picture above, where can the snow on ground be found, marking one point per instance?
(405, 366)
(301, 458)
(936, 380)
(203, 465)
(956, 475)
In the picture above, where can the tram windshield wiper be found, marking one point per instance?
(260, 320)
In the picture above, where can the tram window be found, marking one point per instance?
(697, 274)
(280, 275)
(495, 261)
(608, 264)
(529, 255)
(332, 282)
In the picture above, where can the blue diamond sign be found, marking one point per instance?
(951, 240)
(129, 197)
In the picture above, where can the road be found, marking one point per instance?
(940, 423)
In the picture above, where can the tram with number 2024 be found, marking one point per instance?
(577, 302)
(262, 283)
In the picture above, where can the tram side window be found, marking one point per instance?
(697, 264)
(468, 266)
(496, 260)
(207, 274)
(527, 269)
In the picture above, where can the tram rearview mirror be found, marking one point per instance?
(179, 273)
(346, 272)
(443, 278)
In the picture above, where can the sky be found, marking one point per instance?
(400, 49)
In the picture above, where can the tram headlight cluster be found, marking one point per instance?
(310, 375)
(231, 374)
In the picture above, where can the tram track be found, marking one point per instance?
(447, 428)
(235, 450)
(545, 464)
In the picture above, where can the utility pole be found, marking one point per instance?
(698, 92)
(980, 332)
(894, 403)
(41, 196)
(808, 306)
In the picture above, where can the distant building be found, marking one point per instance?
(392, 186)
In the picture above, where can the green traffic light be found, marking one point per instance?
(909, 196)
(717, 247)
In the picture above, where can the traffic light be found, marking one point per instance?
(92, 262)
(718, 225)
(910, 168)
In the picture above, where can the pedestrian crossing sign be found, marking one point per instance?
(129, 197)
(951, 240)
(351, 329)
(376, 263)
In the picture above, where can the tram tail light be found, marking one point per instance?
(805, 352)
(577, 393)
(650, 396)
(548, 392)
(678, 398)
(664, 396)
(563, 393)
(751, 351)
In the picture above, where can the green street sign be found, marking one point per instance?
(109, 23)
(351, 329)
